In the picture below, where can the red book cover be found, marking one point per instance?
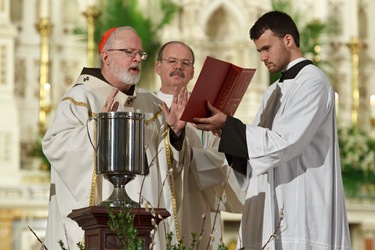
(221, 83)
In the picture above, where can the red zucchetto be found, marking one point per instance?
(104, 39)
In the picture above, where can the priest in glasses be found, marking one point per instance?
(288, 159)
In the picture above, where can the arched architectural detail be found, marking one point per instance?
(233, 12)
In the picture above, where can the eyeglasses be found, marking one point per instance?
(173, 61)
(132, 53)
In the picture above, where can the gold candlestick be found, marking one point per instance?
(91, 14)
(44, 27)
(354, 46)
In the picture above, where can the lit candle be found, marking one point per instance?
(44, 8)
(47, 92)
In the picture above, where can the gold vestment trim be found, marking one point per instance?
(171, 181)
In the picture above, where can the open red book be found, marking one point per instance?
(221, 83)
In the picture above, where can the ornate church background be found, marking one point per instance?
(41, 55)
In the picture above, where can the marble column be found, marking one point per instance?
(9, 123)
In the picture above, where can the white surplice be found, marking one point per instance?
(295, 167)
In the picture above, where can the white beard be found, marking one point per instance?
(128, 78)
(124, 75)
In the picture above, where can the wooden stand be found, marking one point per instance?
(93, 220)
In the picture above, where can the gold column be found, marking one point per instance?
(354, 46)
(44, 27)
(7, 218)
(6, 228)
(91, 14)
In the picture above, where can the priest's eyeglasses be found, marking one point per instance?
(173, 61)
(132, 53)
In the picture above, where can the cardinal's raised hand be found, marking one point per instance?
(110, 104)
